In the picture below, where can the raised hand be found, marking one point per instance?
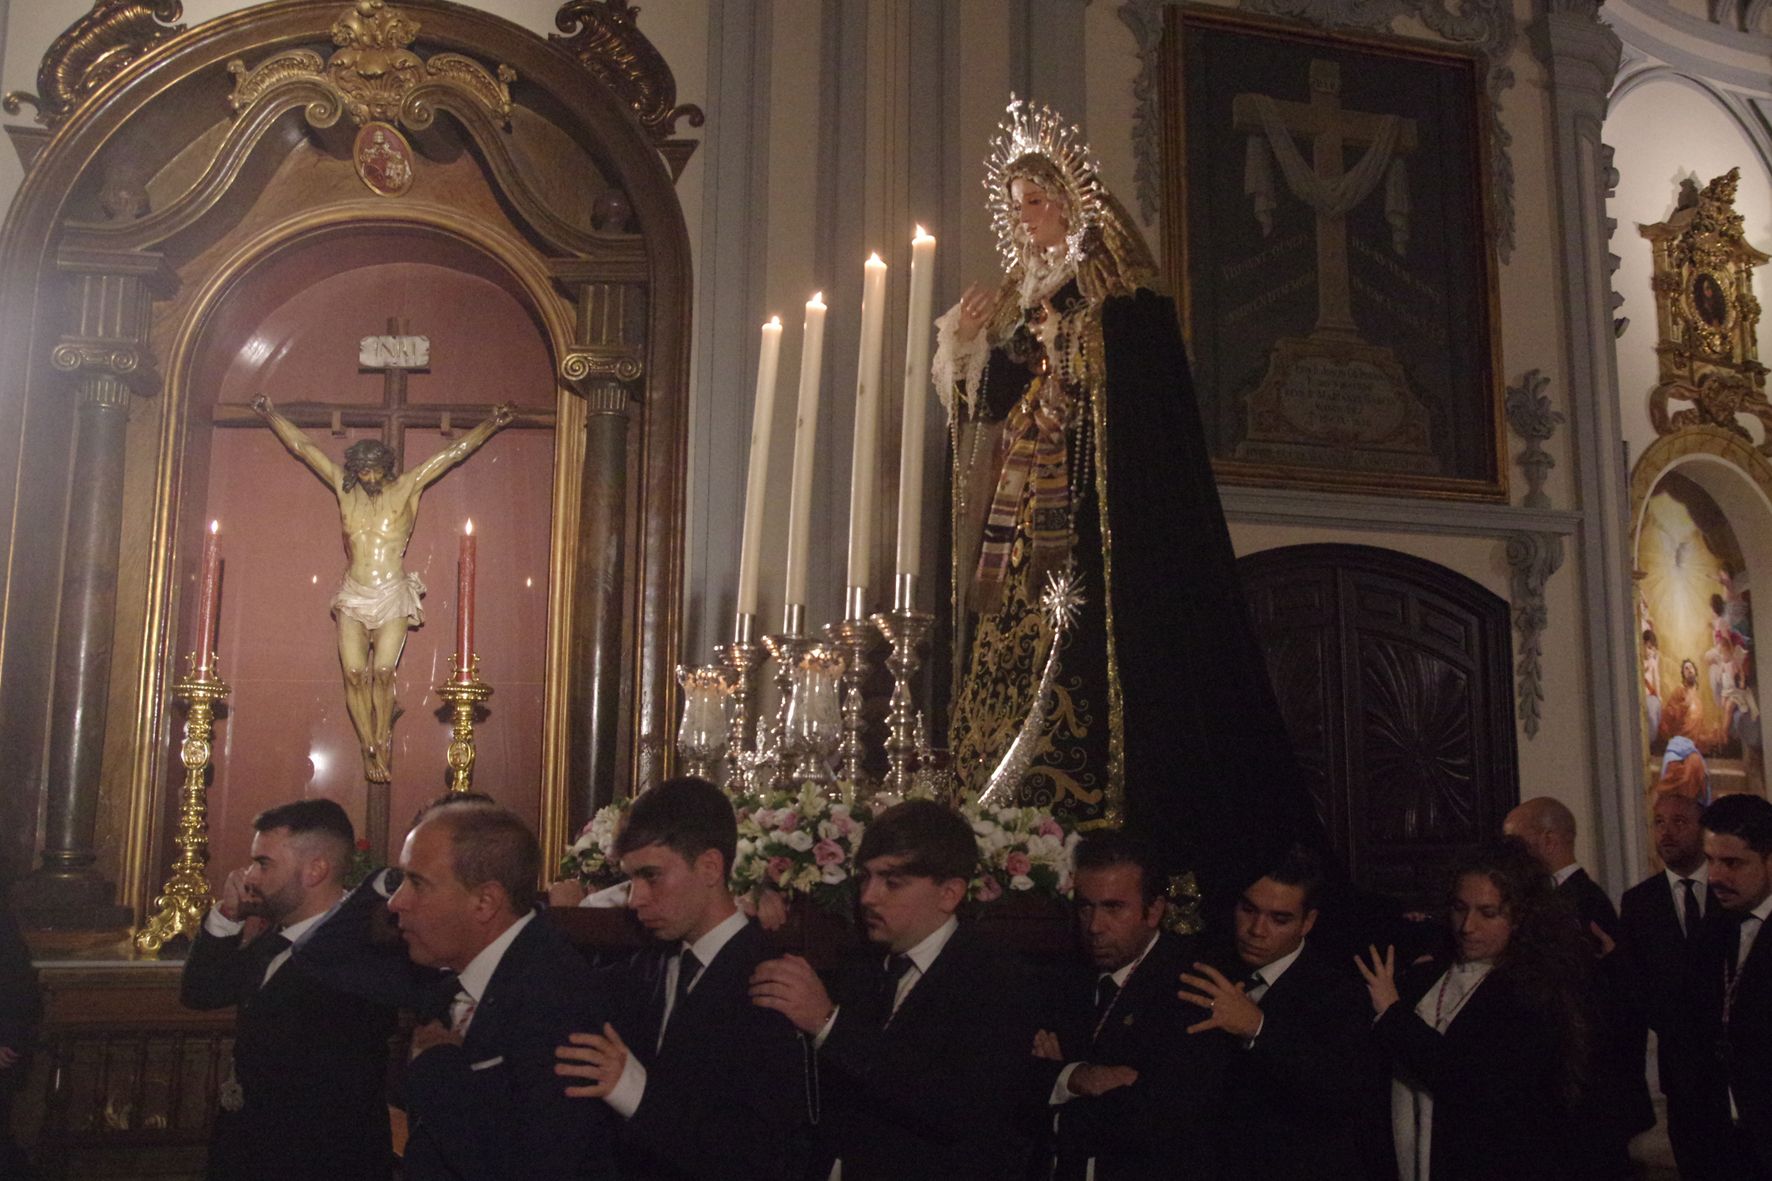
(233, 897)
(1381, 978)
(1228, 1007)
(790, 987)
(1046, 1046)
(1089, 1081)
(975, 309)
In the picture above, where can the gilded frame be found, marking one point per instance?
(1396, 387)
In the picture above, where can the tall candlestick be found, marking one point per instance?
(757, 472)
(916, 405)
(865, 463)
(464, 607)
(207, 597)
(805, 442)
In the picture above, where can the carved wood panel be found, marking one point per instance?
(1394, 676)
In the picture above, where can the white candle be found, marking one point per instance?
(805, 442)
(756, 485)
(864, 472)
(916, 405)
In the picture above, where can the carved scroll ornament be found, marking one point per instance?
(1707, 316)
(92, 51)
(604, 35)
(374, 75)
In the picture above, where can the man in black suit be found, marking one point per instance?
(305, 1092)
(1617, 1104)
(1664, 921)
(1126, 1089)
(482, 1099)
(1736, 974)
(1296, 1022)
(923, 1055)
(707, 1084)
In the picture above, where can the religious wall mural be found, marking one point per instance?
(1700, 687)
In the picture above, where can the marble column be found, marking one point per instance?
(603, 371)
(105, 361)
(1581, 56)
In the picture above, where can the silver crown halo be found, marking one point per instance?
(1031, 130)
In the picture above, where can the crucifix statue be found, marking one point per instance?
(378, 599)
(1327, 184)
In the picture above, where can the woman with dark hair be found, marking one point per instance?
(1487, 1049)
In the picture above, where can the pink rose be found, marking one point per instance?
(1050, 828)
(990, 889)
(844, 822)
(1017, 864)
(789, 821)
(827, 853)
(778, 866)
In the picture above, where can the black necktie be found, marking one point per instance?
(1689, 904)
(890, 974)
(264, 949)
(1254, 982)
(687, 967)
(1105, 992)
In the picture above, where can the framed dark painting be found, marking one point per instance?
(1326, 227)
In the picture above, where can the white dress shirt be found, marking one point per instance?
(1700, 886)
(473, 979)
(630, 1088)
(1270, 976)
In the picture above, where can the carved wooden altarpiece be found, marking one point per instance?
(309, 164)
(1706, 316)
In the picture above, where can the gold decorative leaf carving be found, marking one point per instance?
(374, 76)
(604, 35)
(92, 51)
(1707, 315)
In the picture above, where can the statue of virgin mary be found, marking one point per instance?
(1077, 449)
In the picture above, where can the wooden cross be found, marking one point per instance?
(1331, 130)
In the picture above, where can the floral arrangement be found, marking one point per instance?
(798, 843)
(804, 841)
(591, 858)
(1022, 850)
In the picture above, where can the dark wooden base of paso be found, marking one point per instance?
(68, 900)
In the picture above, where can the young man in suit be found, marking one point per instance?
(923, 1053)
(305, 1093)
(1298, 1083)
(1126, 1090)
(706, 1083)
(482, 1099)
(1617, 1105)
(1665, 920)
(1737, 974)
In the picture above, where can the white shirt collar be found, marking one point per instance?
(925, 952)
(708, 946)
(1124, 972)
(478, 974)
(1701, 876)
(1567, 872)
(295, 931)
(1270, 974)
(1763, 911)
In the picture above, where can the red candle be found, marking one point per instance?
(207, 596)
(464, 607)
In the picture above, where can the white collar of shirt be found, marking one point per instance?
(292, 932)
(474, 978)
(1124, 973)
(1270, 975)
(1700, 885)
(1567, 872)
(1761, 912)
(704, 950)
(921, 957)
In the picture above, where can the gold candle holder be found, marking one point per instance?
(463, 691)
(184, 899)
(906, 629)
(853, 637)
(744, 656)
